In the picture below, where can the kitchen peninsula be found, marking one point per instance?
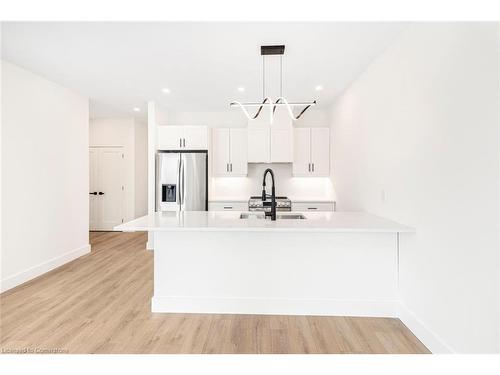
(325, 263)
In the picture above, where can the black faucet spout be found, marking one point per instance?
(273, 193)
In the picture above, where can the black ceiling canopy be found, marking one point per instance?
(272, 50)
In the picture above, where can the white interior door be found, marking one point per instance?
(108, 180)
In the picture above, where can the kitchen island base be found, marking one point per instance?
(283, 273)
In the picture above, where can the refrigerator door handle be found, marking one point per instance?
(182, 188)
(179, 182)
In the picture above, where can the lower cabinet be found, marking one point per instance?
(313, 206)
(228, 206)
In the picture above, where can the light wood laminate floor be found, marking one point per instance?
(100, 303)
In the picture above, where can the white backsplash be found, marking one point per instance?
(296, 188)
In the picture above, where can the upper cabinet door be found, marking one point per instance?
(258, 144)
(281, 145)
(320, 151)
(220, 151)
(302, 152)
(195, 138)
(169, 137)
(238, 152)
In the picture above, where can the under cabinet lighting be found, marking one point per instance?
(165, 90)
(319, 88)
(137, 109)
(241, 89)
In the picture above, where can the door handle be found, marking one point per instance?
(182, 191)
(101, 193)
(179, 181)
(94, 193)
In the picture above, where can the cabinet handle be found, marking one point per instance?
(313, 167)
(309, 167)
(230, 167)
(94, 193)
(101, 193)
(180, 142)
(184, 142)
(227, 167)
(228, 207)
(312, 208)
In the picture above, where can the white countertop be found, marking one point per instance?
(230, 221)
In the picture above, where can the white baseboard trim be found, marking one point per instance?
(35, 271)
(428, 337)
(261, 306)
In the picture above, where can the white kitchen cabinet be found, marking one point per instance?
(259, 139)
(238, 152)
(229, 152)
(195, 137)
(313, 206)
(228, 206)
(169, 137)
(301, 151)
(220, 151)
(270, 145)
(182, 138)
(281, 145)
(311, 155)
(320, 151)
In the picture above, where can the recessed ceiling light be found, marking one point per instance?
(241, 89)
(165, 90)
(319, 88)
(137, 109)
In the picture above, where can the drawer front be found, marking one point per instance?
(312, 206)
(228, 206)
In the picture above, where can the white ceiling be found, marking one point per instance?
(120, 66)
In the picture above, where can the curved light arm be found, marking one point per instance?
(267, 102)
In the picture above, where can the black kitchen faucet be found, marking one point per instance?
(273, 194)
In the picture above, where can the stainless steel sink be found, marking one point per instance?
(251, 215)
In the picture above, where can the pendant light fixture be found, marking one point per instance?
(267, 101)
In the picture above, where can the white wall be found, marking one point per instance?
(45, 175)
(141, 169)
(234, 117)
(132, 136)
(416, 139)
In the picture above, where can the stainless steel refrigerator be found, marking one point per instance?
(182, 181)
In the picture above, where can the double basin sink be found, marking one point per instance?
(261, 215)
